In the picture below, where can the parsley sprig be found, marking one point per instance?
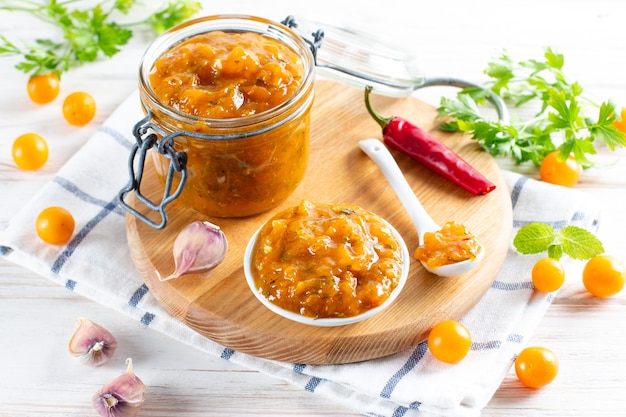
(573, 241)
(85, 34)
(559, 122)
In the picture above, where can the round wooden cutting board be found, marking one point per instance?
(222, 307)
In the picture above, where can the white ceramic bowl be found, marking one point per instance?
(326, 322)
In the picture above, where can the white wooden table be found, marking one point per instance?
(453, 38)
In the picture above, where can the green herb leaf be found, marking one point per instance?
(124, 6)
(604, 129)
(573, 241)
(174, 13)
(567, 110)
(560, 122)
(553, 59)
(579, 243)
(6, 47)
(87, 34)
(533, 238)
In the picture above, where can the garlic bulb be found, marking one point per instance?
(122, 397)
(200, 246)
(92, 342)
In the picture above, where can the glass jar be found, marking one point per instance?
(235, 165)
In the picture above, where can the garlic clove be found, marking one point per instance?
(200, 246)
(92, 342)
(122, 397)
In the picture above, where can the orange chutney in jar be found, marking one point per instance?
(327, 260)
(453, 243)
(221, 74)
(251, 93)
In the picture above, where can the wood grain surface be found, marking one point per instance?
(222, 307)
(37, 315)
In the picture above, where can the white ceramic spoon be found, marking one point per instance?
(379, 153)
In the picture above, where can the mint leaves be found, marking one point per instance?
(573, 241)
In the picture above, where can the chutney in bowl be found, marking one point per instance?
(326, 264)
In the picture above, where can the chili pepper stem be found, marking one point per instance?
(382, 121)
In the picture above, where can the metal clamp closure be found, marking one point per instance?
(148, 136)
(318, 36)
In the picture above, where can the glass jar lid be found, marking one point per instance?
(357, 58)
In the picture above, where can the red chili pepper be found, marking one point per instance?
(402, 135)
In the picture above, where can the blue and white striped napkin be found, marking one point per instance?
(98, 265)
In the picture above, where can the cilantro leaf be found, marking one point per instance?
(553, 59)
(45, 56)
(87, 34)
(604, 129)
(175, 12)
(123, 6)
(567, 111)
(559, 123)
(7, 47)
(111, 37)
